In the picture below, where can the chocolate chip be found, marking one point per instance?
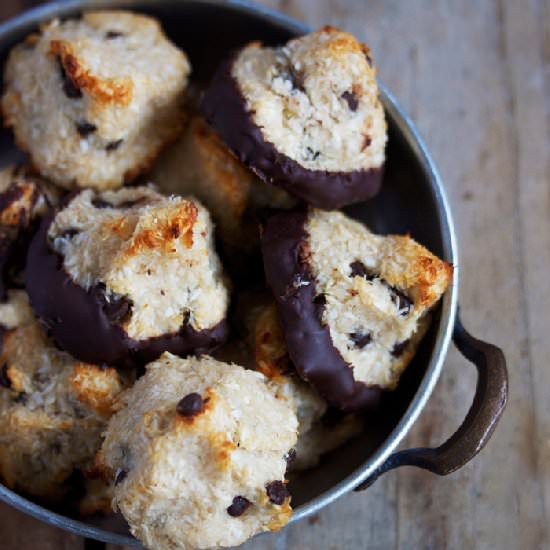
(120, 476)
(100, 203)
(85, 128)
(190, 405)
(359, 269)
(366, 142)
(351, 99)
(238, 506)
(401, 301)
(186, 318)
(311, 154)
(69, 233)
(296, 78)
(360, 339)
(5, 381)
(320, 300)
(110, 35)
(71, 91)
(277, 492)
(290, 457)
(113, 145)
(399, 348)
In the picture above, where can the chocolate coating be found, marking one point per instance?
(309, 343)
(225, 109)
(78, 321)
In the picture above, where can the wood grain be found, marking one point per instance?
(475, 76)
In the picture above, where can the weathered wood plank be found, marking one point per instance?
(527, 64)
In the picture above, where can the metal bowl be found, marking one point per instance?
(413, 200)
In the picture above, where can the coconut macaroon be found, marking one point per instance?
(305, 116)
(212, 174)
(121, 276)
(93, 100)
(198, 455)
(352, 304)
(319, 431)
(53, 410)
(24, 199)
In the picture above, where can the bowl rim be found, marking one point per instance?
(413, 139)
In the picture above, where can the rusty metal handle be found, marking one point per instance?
(477, 428)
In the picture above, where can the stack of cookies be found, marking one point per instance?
(186, 316)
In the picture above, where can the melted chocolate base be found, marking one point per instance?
(78, 321)
(225, 109)
(309, 343)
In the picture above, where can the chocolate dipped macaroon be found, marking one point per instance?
(353, 305)
(118, 277)
(305, 116)
(53, 410)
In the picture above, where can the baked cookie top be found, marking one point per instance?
(198, 454)
(93, 100)
(316, 100)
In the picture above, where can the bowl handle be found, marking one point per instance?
(489, 401)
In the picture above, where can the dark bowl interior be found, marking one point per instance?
(406, 204)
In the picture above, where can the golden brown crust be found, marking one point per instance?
(103, 90)
(179, 225)
(424, 273)
(96, 387)
(271, 353)
(231, 175)
(22, 206)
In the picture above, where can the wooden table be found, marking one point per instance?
(475, 76)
